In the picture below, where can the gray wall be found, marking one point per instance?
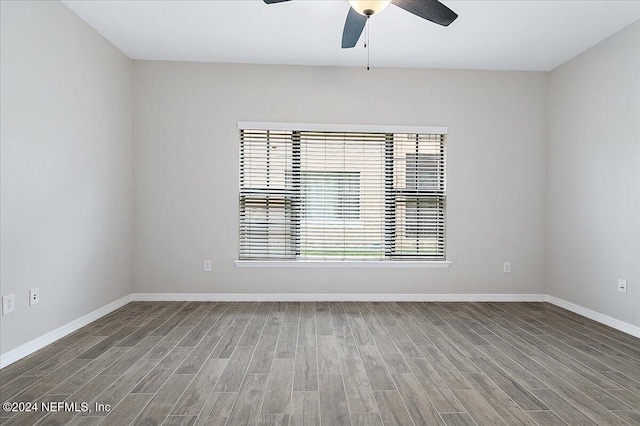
(186, 171)
(594, 177)
(66, 180)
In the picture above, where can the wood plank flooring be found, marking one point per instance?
(333, 363)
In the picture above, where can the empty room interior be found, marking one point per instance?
(308, 212)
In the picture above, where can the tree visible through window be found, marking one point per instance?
(342, 195)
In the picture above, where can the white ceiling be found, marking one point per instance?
(506, 35)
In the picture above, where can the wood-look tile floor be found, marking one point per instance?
(352, 363)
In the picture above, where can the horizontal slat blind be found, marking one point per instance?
(419, 189)
(308, 195)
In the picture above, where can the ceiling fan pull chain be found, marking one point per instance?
(367, 43)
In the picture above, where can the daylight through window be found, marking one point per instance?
(327, 195)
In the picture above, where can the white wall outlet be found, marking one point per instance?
(207, 266)
(8, 304)
(506, 268)
(622, 286)
(34, 296)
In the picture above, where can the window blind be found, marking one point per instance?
(330, 195)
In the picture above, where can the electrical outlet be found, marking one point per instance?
(34, 296)
(622, 286)
(207, 266)
(8, 304)
(506, 268)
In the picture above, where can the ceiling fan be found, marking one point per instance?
(361, 10)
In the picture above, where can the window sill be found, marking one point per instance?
(342, 264)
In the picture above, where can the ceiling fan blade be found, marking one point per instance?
(274, 1)
(431, 10)
(353, 27)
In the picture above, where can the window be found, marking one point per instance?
(330, 195)
(309, 194)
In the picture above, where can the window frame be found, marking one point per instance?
(390, 195)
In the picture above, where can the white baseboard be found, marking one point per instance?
(596, 316)
(332, 297)
(21, 351)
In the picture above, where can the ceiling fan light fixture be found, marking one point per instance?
(369, 7)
